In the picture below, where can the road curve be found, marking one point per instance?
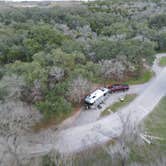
(79, 138)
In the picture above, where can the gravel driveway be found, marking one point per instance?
(89, 116)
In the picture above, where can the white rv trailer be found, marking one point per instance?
(96, 97)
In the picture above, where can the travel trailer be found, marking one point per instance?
(97, 97)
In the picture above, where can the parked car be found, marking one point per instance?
(118, 87)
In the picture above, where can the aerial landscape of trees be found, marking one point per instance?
(60, 52)
(52, 56)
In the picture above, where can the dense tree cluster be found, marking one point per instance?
(60, 51)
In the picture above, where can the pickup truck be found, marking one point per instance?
(118, 88)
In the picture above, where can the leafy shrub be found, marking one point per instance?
(158, 21)
(54, 107)
(3, 93)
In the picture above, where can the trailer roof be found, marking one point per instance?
(96, 95)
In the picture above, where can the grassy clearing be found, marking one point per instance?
(162, 61)
(119, 104)
(155, 124)
(143, 78)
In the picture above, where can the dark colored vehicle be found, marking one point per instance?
(118, 88)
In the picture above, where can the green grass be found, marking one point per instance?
(162, 61)
(117, 105)
(143, 78)
(155, 124)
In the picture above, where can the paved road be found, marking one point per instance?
(78, 138)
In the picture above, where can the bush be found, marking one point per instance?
(3, 93)
(47, 161)
(158, 21)
(161, 39)
(54, 107)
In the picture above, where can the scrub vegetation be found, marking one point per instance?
(144, 77)
(60, 52)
